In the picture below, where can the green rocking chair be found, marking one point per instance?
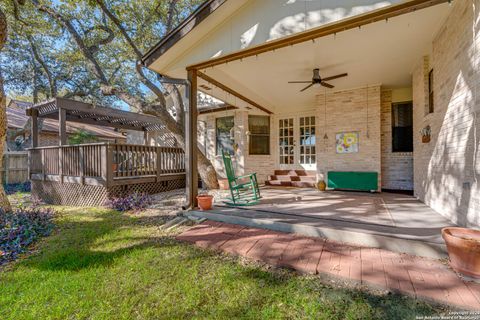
(244, 189)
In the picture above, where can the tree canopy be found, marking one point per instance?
(91, 50)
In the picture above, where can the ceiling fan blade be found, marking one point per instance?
(328, 85)
(300, 81)
(335, 77)
(311, 84)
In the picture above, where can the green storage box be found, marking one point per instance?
(353, 180)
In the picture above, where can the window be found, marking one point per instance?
(259, 127)
(224, 127)
(430, 92)
(402, 129)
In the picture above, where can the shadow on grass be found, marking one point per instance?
(209, 284)
(96, 239)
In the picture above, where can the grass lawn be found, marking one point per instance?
(101, 264)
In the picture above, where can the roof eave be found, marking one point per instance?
(167, 42)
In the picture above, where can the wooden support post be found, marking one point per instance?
(43, 164)
(62, 126)
(191, 141)
(60, 163)
(159, 151)
(145, 137)
(82, 164)
(34, 128)
(109, 165)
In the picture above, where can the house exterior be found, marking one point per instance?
(18, 130)
(407, 110)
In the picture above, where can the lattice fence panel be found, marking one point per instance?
(148, 188)
(70, 194)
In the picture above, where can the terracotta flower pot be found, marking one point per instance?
(205, 201)
(463, 246)
(321, 185)
(425, 139)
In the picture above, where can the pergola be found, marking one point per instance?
(65, 110)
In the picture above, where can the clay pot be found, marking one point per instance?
(321, 185)
(205, 201)
(425, 139)
(463, 246)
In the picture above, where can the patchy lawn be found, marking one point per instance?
(102, 264)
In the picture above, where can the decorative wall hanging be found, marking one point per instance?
(347, 142)
(426, 133)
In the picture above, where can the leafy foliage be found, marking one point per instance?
(132, 202)
(20, 228)
(17, 187)
(81, 136)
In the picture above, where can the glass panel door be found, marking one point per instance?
(307, 150)
(286, 141)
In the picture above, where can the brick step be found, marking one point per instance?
(295, 173)
(292, 178)
(278, 183)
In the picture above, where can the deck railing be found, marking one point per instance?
(105, 163)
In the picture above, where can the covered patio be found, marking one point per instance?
(391, 221)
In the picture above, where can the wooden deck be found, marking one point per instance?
(117, 168)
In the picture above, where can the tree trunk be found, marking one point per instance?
(4, 203)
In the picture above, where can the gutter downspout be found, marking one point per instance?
(188, 141)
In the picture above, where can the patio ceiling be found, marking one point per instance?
(383, 52)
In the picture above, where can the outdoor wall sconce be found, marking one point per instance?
(426, 133)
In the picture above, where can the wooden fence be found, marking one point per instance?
(15, 167)
(106, 164)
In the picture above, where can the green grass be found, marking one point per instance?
(100, 264)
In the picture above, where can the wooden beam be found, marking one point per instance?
(62, 126)
(73, 105)
(212, 110)
(191, 141)
(322, 31)
(232, 92)
(34, 129)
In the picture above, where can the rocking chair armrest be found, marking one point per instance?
(249, 176)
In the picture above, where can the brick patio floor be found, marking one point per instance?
(419, 277)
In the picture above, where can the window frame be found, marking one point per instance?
(431, 105)
(217, 150)
(393, 126)
(251, 135)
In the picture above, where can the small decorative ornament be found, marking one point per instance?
(426, 134)
(321, 185)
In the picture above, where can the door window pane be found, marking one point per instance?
(224, 130)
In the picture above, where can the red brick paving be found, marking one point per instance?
(416, 276)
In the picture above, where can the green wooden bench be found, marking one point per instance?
(353, 180)
(244, 189)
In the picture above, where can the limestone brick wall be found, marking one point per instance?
(244, 163)
(397, 167)
(346, 111)
(447, 169)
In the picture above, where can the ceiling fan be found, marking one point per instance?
(316, 79)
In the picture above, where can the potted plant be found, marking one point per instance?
(426, 133)
(463, 246)
(205, 201)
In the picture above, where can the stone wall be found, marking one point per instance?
(447, 169)
(346, 111)
(397, 167)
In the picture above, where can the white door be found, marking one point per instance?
(296, 142)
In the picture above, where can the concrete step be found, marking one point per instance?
(403, 240)
(303, 184)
